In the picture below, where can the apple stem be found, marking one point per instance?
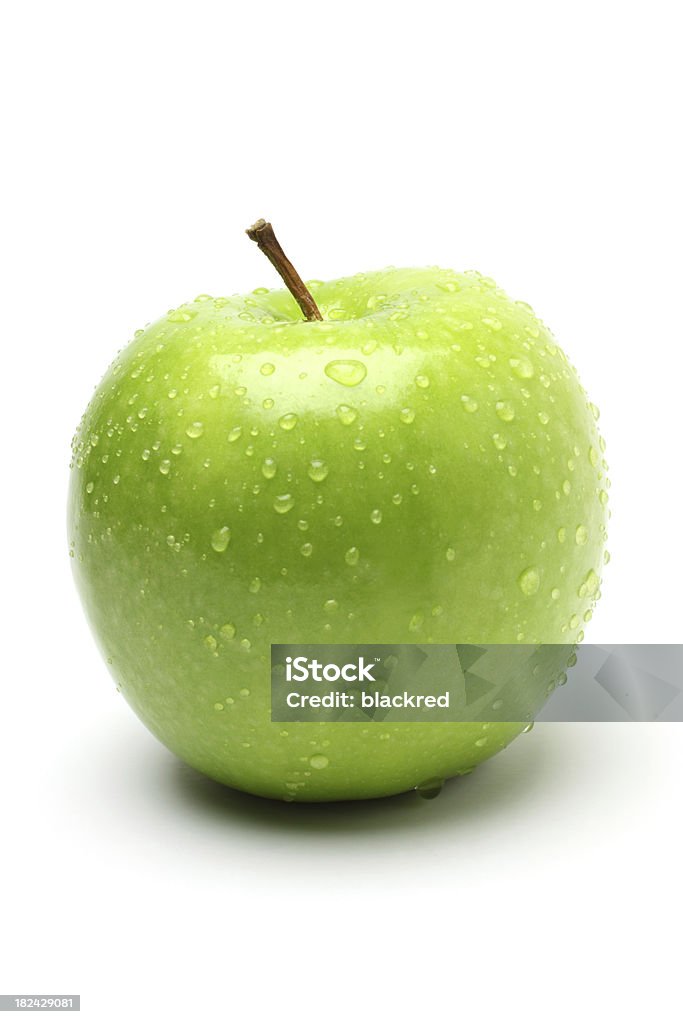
(262, 233)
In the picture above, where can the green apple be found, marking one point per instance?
(421, 465)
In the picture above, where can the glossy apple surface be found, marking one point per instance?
(421, 466)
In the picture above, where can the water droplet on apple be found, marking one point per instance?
(89, 487)
(267, 369)
(562, 535)
(555, 594)
(220, 538)
(469, 404)
(416, 622)
(318, 470)
(590, 584)
(348, 372)
(319, 761)
(499, 442)
(288, 421)
(306, 550)
(195, 429)
(346, 415)
(351, 557)
(481, 742)
(505, 412)
(543, 418)
(180, 316)
(522, 367)
(407, 415)
(430, 788)
(234, 434)
(529, 581)
(227, 631)
(422, 381)
(210, 642)
(283, 503)
(165, 467)
(492, 322)
(255, 585)
(450, 554)
(376, 516)
(269, 468)
(331, 606)
(581, 534)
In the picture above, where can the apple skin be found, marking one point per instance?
(422, 466)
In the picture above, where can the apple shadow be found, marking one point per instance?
(494, 788)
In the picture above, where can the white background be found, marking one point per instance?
(537, 142)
